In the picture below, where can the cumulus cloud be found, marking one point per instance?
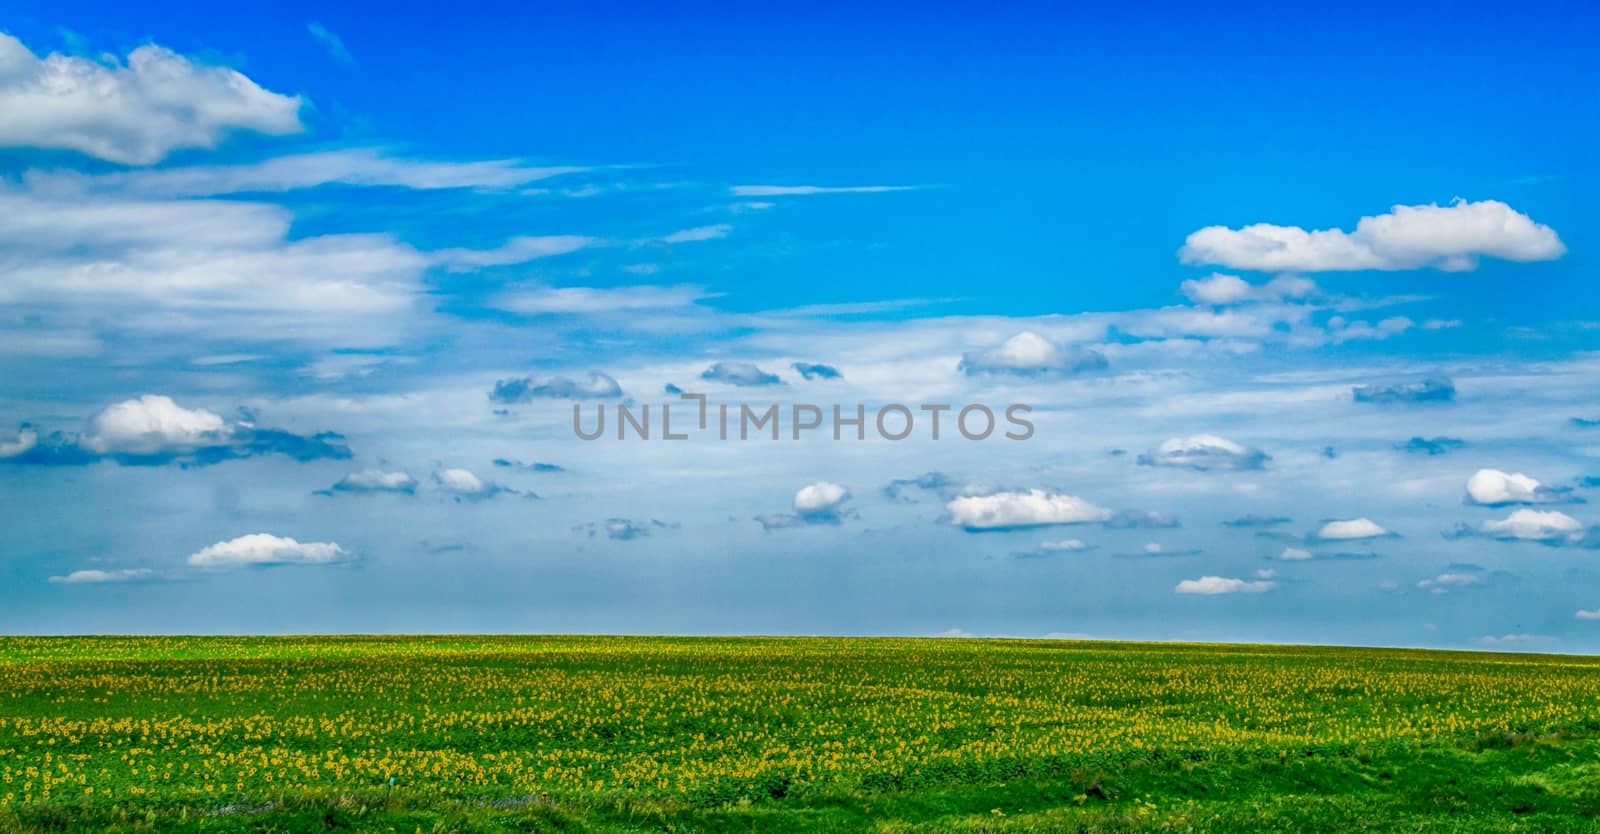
(815, 503)
(263, 549)
(1029, 354)
(812, 370)
(1431, 446)
(822, 497)
(1588, 614)
(823, 502)
(1218, 290)
(1015, 510)
(376, 480)
(1428, 390)
(102, 577)
(133, 112)
(1204, 452)
(465, 485)
(1451, 237)
(1215, 585)
(1548, 527)
(152, 429)
(25, 441)
(1353, 529)
(597, 385)
(1494, 488)
(743, 374)
(151, 424)
(1295, 554)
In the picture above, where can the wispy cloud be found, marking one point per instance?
(331, 42)
(807, 190)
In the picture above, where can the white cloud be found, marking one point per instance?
(331, 42)
(135, 112)
(698, 234)
(465, 485)
(592, 300)
(1063, 546)
(1036, 507)
(1492, 487)
(1341, 330)
(1450, 237)
(461, 481)
(376, 480)
(364, 167)
(100, 577)
(1515, 640)
(1588, 614)
(1548, 526)
(153, 424)
(178, 267)
(26, 440)
(1294, 554)
(1220, 290)
(743, 374)
(260, 549)
(1351, 529)
(808, 190)
(525, 389)
(1213, 585)
(1204, 452)
(1444, 582)
(153, 429)
(517, 250)
(1028, 353)
(823, 502)
(819, 498)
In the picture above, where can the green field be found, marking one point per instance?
(618, 734)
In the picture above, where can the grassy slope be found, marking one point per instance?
(1505, 768)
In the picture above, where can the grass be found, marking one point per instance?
(614, 734)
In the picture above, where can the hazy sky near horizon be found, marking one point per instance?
(295, 306)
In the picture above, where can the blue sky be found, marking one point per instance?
(261, 279)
